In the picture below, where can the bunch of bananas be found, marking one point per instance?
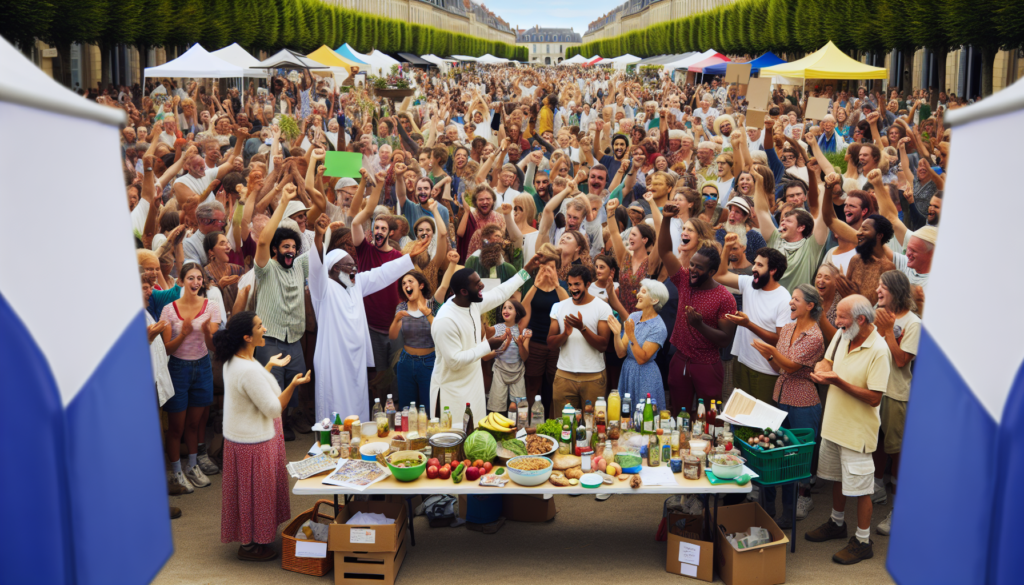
(498, 423)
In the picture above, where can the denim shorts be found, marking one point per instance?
(193, 383)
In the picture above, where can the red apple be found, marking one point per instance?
(488, 467)
(445, 473)
(432, 472)
(473, 473)
(434, 462)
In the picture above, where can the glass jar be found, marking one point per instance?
(433, 427)
(691, 467)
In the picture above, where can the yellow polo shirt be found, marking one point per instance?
(848, 421)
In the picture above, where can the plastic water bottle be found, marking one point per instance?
(389, 410)
(537, 412)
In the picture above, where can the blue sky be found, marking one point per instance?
(550, 13)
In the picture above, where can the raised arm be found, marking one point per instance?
(358, 235)
(842, 229)
(618, 248)
(241, 134)
(147, 193)
(446, 278)
(761, 208)
(723, 276)
(665, 251)
(267, 235)
(885, 205)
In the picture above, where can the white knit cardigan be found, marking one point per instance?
(250, 401)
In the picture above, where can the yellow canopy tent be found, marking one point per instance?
(827, 62)
(339, 66)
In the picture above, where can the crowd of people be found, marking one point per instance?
(548, 234)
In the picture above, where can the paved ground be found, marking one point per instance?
(615, 537)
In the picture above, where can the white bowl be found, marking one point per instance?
(529, 478)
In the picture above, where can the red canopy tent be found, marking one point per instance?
(715, 59)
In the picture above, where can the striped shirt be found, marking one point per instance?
(280, 299)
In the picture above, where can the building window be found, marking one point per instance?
(547, 60)
(548, 49)
(535, 48)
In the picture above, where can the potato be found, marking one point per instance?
(574, 473)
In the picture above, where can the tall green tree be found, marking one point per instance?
(22, 21)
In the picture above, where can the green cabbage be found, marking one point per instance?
(480, 445)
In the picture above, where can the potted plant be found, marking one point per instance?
(393, 86)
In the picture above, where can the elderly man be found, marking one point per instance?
(739, 211)
(706, 169)
(211, 216)
(856, 367)
(199, 177)
(830, 140)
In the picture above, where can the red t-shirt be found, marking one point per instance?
(380, 306)
(713, 305)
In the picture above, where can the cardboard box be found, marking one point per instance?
(353, 568)
(759, 565)
(368, 538)
(527, 508)
(692, 557)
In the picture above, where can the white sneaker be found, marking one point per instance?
(207, 465)
(755, 494)
(804, 505)
(197, 477)
(880, 496)
(602, 497)
(180, 479)
(885, 526)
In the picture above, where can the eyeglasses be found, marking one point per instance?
(788, 157)
(215, 222)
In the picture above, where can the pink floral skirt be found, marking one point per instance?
(254, 497)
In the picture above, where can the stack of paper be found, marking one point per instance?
(746, 411)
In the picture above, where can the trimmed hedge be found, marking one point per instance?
(301, 25)
(800, 26)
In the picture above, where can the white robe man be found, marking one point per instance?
(459, 343)
(343, 339)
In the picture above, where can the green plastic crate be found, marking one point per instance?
(784, 463)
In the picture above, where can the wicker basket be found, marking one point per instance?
(306, 566)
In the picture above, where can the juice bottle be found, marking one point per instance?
(601, 415)
(614, 404)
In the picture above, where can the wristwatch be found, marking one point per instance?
(524, 274)
(771, 357)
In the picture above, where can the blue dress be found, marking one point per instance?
(640, 380)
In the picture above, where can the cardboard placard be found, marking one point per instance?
(755, 118)
(759, 91)
(737, 73)
(343, 164)
(817, 108)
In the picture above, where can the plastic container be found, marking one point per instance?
(369, 451)
(782, 464)
(591, 481)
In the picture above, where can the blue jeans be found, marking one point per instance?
(193, 383)
(797, 417)
(413, 373)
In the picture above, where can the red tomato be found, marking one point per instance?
(478, 463)
(432, 472)
(488, 467)
(445, 473)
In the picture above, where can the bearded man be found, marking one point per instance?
(765, 312)
(337, 289)
(867, 266)
(739, 211)
(489, 262)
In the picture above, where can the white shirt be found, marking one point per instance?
(840, 261)
(600, 292)
(900, 260)
(768, 310)
(198, 185)
(507, 197)
(576, 355)
(158, 355)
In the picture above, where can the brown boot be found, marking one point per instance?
(175, 512)
(175, 489)
(854, 552)
(827, 531)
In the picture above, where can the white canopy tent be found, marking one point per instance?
(576, 60)
(236, 55)
(442, 64)
(464, 58)
(288, 59)
(490, 59)
(687, 61)
(196, 62)
(385, 61)
(622, 61)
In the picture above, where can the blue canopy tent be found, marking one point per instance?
(350, 54)
(769, 59)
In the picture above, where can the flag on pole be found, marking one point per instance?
(84, 468)
(962, 460)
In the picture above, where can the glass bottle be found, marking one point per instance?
(421, 420)
(627, 412)
(698, 425)
(389, 410)
(336, 432)
(446, 419)
(653, 451)
(513, 410)
(665, 444)
(588, 415)
(648, 417)
(467, 420)
(523, 412)
(565, 440)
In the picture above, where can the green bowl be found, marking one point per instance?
(407, 473)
